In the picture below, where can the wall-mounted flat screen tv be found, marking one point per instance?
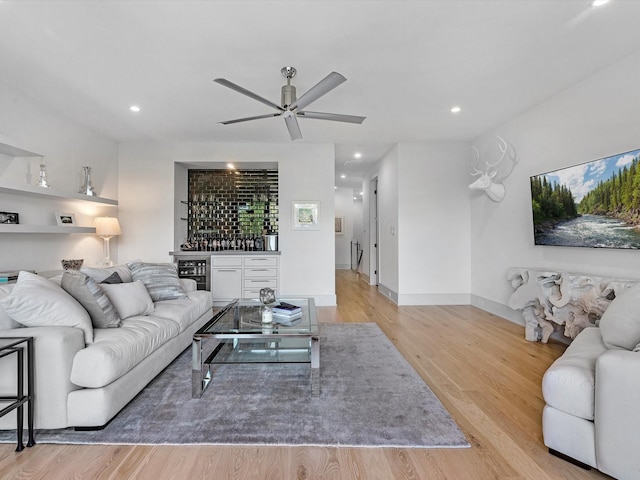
(594, 204)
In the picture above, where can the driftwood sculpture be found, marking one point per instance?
(560, 301)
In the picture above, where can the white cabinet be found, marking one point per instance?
(226, 283)
(242, 276)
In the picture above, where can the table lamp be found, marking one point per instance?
(107, 227)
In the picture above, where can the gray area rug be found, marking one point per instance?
(370, 396)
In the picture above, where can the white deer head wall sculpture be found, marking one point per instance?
(486, 181)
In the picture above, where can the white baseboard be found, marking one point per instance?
(343, 266)
(498, 309)
(325, 300)
(434, 299)
(387, 292)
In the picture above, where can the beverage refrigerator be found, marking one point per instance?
(198, 269)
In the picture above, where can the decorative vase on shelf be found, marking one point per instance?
(86, 187)
(42, 182)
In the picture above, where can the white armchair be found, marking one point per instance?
(592, 394)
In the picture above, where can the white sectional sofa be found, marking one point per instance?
(85, 371)
(592, 393)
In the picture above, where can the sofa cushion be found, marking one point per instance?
(620, 322)
(115, 351)
(100, 274)
(161, 279)
(87, 292)
(38, 302)
(569, 383)
(184, 311)
(6, 322)
(129, 299)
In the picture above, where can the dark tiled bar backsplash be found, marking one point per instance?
(231, 209)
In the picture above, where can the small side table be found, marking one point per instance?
(18, 345)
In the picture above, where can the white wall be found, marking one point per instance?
(596, 118)
(67, 147)
(306, 172)
(423, 217)
(433, 223)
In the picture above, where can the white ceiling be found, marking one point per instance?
(407, 63)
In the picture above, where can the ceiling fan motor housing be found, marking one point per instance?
(288, 95)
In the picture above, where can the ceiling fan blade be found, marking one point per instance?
(324, 86)
(292, 125)
(246, 119)
(336, 117)
(248, 93)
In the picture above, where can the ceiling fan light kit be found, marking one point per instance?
(292, 107)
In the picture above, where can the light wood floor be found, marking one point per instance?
(479, 366)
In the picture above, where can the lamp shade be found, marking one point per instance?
(107, 226)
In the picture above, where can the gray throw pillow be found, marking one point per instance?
(130, 299)
(161, 280)
(113, 278)
(85, 290)
(620, 322)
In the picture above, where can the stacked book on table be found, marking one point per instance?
(286, 313)
(8, 277)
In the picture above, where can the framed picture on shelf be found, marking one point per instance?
(9, 218)
(306, 215)
(66, 219)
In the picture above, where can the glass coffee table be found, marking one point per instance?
(243, 338)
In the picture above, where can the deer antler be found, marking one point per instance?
(502, 145)
(475, 170)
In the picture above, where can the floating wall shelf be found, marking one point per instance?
(44, 229)
(12, 151)
(34, 191)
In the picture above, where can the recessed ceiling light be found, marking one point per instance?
(343, 176)
(230, 166)
(357, 155)
(335, 188)
(599, 3)
(361, 193)
(456, 109)
(134, 108)
(355, 198)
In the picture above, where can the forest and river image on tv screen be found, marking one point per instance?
(594, 204)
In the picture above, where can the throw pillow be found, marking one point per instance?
(87, 292)
(130, 299)
(6, 322)
(113, 278)
(620, 322)
(38, 302)
(161, 280)
(100, 274)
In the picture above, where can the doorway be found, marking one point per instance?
(374, 257)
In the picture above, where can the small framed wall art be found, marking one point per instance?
(9, 218)
(339, 225)
(306, 215)
(65, 219)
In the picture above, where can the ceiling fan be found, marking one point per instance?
(293, 107)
